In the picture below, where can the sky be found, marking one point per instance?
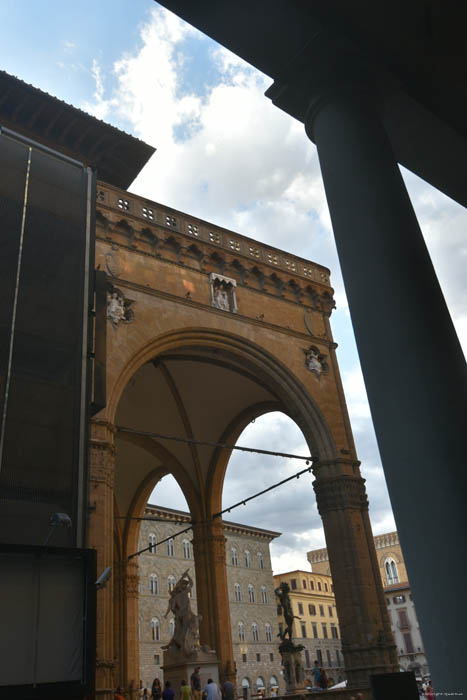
(227, 155)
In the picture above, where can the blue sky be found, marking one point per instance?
(225, 154)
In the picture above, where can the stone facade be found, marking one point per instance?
(401, 608)
(317, 626)
(252, 604)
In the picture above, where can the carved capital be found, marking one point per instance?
(340, 493)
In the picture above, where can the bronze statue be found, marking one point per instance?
(282, 592)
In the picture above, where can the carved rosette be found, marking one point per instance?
(340, 493)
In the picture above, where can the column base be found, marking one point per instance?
(178, 667)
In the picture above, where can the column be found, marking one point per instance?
(411, 358)
(100, 537)
(367, 641)
(213, 594)
(131, 672)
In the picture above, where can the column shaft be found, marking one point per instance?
(213, 593)
(411, 359)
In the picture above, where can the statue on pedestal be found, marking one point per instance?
(186, 631)
(291, 654)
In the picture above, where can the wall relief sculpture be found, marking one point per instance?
(119, 308)
(223, 292)
(315, 361)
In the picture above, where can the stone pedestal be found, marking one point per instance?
(178, 667)
(294, 674)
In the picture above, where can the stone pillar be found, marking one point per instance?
(101, 538)
(131, 671)
(367, 641)
(412, 362)
(213, 595)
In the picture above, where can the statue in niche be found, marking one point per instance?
(314, 360)
(186, 632)
(118, 307)
(221, 298)
(223, 292)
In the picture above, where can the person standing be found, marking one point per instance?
(228, 691)
(195, 682)
(168, 693)
(429, 691)
(316, 675)
(185, 691)
(211, 690)
(156, 689)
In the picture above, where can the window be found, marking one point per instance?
(321, 610)
(334, 632)
(171, 583)
(315, 630)
(247, 559)
(328, 656)
(264, 594)
(319, 585)
(338, 658)
(170, 221)
(399, 599)
(153, 584)
(254, 632)
(303, 628)
(403, 619)
(170, 547)
(281, 628)
(319, 657)
(244, 658)
(258, 657)
(260, 685)
(254, 252)
(234, 557)
(214, 237)
(238, 593)
(235, 245)
(260, 561)
(307, 659)
(268, 632)
(294, 584)
(156, 629)
(157, 659)
(300, 609)
(326, 587)
(271, 658)
(123, 204)
(171, 628)
(186, 549)
(311, 609)
(193, 230)
(332, 588)
(241, 631)
(152, 543)
(325, 630)
(251, 593)
(392, 574)
(330, 611)
(408, 643)
(312, 585)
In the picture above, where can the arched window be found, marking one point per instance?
(186, 549)
(247, 559)
(152, 543)
(156, 629)
(251, 593)
(154, 584)
(268, 632)
(171, 628)
(170, 547)
(171, 583)
(234, 557)
(238, 593)
(273, 682)
(241, 631)
(254, 632)
(260, 561)
(245, 683)
(259, 684)
(264, 594)
(392, 574)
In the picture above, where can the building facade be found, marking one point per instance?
(316, 626)
(253, 624)
(401, 608)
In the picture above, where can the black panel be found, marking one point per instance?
(42, 469)
(389, 686)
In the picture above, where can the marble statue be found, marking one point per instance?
(186, 631)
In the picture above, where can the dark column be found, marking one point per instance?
(412, 363)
